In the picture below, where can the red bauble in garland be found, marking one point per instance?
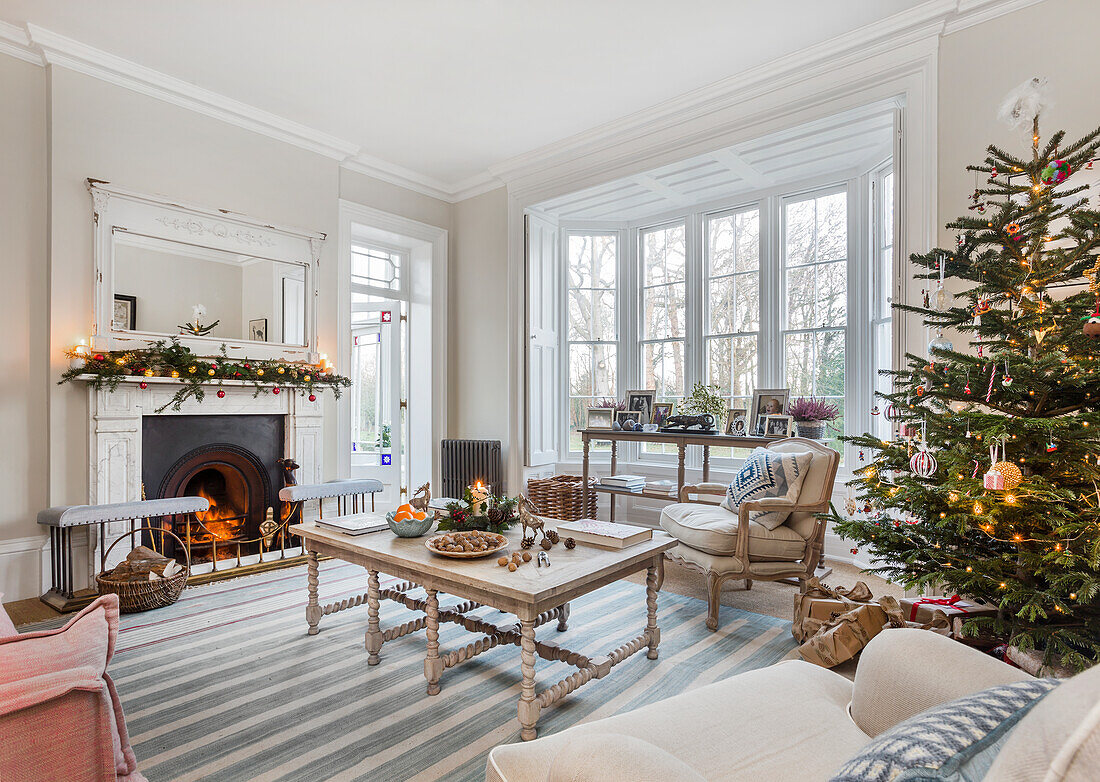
(143, 385)
(98, 356)
(312, 398)
(275, 390)
(221, 394)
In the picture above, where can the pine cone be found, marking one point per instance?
(527, 542)
(553, 535)
(496, 515)
(570, 543)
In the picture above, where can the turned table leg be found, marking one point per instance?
(528, 706)
(433, 665)
(563, 618)
(652, 631)
(374, 634)
(313, 608)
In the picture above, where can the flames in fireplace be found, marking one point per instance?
(227, 519)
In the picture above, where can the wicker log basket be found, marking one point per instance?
(561, 497)
(135, 596)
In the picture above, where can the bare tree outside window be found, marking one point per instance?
(664, 315)
(815, 273)
(591, 268)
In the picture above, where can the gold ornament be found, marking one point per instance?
(210, 372)
(260, 372)
(148, 373)
(175, 373)
(281, 370)
(1011, 473)
(191, 370)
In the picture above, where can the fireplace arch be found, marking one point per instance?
(236, 483)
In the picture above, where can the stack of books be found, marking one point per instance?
(606, 534)
(354, 524)
(628, 482)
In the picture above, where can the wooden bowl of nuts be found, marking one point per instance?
(466, 545)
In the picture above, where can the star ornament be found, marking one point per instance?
(1041, 334)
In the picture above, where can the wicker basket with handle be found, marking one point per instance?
(561, 497)
(135, 596)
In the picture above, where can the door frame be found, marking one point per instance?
(427, 374)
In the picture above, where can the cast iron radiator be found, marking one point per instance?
(465, 462)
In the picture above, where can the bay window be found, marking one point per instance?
(740, 296)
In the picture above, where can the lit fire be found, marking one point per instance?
(223, 521)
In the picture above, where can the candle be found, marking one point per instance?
(79, 355)
(479, 493)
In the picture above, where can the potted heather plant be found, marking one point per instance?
(812, 416)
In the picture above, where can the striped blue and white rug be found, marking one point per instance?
(226, 685)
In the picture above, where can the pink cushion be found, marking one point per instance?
(6, 626)
(86, 642)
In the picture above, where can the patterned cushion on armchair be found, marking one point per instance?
(769, 474)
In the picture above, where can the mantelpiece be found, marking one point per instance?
(115, 433)
(141, 228)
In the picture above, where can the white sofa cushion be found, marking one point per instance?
(713, 529)
(769, 474)
(613, 757)
(1059, 739)
(784, 723)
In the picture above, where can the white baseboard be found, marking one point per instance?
(24, 567)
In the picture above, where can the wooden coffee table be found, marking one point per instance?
(536, 595)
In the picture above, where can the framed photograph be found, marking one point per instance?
(737, 422)
(778, 425)
(124, 316)
(641, 402)
(767, 401)
(601, 418)
(257, 329)
(661, 413)
(623, 417)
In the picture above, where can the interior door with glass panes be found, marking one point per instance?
(379, 329)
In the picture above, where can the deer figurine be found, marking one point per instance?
(421, 497)
(529, 518)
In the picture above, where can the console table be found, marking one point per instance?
(680, 439)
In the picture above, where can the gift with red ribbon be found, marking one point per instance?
(921, 609)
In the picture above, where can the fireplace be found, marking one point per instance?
(233, 461)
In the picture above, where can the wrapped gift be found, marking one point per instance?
(819, 604)
(993, 480)
(921, 609)
(843, 637)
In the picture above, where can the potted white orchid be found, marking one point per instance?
(198, 312)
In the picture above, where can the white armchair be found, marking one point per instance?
(725, 545)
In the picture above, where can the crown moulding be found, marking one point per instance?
(934, 18)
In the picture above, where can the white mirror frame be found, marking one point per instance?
(115, 209)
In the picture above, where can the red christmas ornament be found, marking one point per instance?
(312, 398)
(98, 356)
(143, 384)
(221, 394)
(275, 390)
(855, 551)
(248, 366)
(236, 374)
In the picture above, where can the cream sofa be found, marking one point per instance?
(796, 722)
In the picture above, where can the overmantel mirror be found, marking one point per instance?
(207, 277)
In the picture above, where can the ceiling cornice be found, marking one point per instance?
(43, 47)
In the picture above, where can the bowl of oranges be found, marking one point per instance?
(408, 522)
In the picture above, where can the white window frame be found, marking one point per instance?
(566, 342)
(770, 363)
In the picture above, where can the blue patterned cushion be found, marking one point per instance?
(954, 742)
(767, 474)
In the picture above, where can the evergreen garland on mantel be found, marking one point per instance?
(170, 359)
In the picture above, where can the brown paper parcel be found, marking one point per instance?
(922, 609)
(844, 636)
(820, 603)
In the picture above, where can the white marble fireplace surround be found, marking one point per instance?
(115, 439)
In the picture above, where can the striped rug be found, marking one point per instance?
(226, 685)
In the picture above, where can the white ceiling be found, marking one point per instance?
(842, 145)
(447, 88)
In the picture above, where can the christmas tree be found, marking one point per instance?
(991, 486)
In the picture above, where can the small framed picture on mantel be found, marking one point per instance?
(257, 329)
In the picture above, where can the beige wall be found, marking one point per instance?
(979, 65)
(478, 405)
(90, 128)
(24, 317)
